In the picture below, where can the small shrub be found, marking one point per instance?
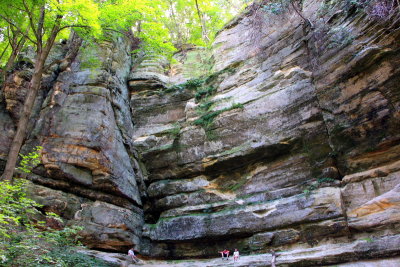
(325, 180)
(26, 241)
(307, 192)
(204, 107)
(30, 161)
(368, 239)
(172, 132)
(192, 85)
(207, 119)
(205, 92)
(236, 106)
(70, 257)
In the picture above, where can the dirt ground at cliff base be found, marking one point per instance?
(258, 260)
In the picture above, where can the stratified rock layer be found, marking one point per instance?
(301, 150)
(84, 124)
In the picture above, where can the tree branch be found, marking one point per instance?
(40, 27)
(72, 26)
(4, 51)
(18, 29)
(52, 36)
(301, 15)
(113, 30)
(29, 13)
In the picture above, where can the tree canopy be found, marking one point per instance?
(197, 21)
(158, 24)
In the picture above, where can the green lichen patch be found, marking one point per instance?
(234, 150)
(89, 57)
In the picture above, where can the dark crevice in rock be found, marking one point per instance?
(261, 154)
(93, 194)
(310, 45)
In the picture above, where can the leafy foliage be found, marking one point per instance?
(69, 257)
(192, 84)
(189, 25)
(29, 161)
(158, 25)
(144, 17)
(25, 240)
(205, 92)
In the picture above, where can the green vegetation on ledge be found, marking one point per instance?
(29, 237)
(207, 119)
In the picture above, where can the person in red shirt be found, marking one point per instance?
(225, 254)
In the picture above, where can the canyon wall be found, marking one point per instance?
(290, 143)
(89, 173)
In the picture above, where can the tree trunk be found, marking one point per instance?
(177, 27)
(16, 49)
(10, 63)
(34, 86)
(4, 51)
(24, 119)
(202, 22)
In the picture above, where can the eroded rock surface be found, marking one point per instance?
(302, 147)
(90, 173)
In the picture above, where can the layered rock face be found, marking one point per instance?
(89, 173)
(296, 146)
(291, 144)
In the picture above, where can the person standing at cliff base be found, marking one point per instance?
(273, 258)
(225, 254)
(235, 255)
(131, 254)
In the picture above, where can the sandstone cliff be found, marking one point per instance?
(292, 142)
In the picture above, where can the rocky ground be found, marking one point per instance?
(300, 257)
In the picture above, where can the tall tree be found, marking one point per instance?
(143, 17)
(202, 22)
(46, 20)
(12, 43)
(197, 21)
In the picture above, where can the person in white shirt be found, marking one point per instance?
(131, 253)
(235, 255)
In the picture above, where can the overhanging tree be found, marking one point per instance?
(46, 19)
(12, 41)
(41, 22)
(197, 21)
